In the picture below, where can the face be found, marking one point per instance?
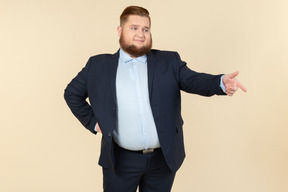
(135, 37)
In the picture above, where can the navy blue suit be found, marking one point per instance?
(167, 76)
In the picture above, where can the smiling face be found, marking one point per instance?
(135, 36)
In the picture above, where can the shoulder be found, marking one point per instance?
(158, 52)
(101, 57)
(100, 61)
(165, 55)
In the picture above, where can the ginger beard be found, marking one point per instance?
(134, 51)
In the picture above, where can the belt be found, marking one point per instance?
(144, 151)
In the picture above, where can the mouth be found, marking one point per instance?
(139, 41)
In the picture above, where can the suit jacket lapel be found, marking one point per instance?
(151, 64)
(112, 73)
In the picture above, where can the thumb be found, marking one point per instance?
(233, 75)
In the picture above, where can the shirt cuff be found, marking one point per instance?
(95, 129)
(222, 84)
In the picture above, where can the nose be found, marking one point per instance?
(140, 33)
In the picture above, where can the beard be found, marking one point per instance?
(132, 50)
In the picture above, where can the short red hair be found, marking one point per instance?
(133, 10)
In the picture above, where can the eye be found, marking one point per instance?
(146, 30)
(134, 28)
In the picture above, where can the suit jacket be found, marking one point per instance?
(167, 75)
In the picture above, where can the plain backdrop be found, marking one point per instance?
(233, 144)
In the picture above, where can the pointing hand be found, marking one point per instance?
(232, 84)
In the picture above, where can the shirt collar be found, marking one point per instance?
(126, 58)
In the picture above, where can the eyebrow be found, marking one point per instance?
(133, 25)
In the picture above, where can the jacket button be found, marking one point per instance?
(114, 108)
(109, 134)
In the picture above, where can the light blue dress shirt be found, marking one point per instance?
(136, 128)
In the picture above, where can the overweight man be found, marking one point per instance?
(135, 105)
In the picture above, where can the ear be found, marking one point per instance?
(119, 29)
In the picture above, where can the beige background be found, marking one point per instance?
(234, 144)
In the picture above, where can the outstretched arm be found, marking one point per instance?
(232, 84)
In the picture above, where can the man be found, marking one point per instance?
(135, 103)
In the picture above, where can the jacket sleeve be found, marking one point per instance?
(198, 83)
(75, 95)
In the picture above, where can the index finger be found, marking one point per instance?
(241, 87)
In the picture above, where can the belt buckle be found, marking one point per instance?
(147, 151)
